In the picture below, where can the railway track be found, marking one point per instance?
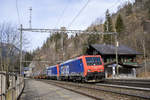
(101, 91)
(142, 83)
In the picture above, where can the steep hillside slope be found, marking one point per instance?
(136, 34)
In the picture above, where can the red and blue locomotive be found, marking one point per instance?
(83, 68)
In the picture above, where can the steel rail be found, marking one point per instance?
(87, 86)
(73, 90)
(136, 79)
(85, 94)
(125, 87)
(134, 83)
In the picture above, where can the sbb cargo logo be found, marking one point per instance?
(65, 70)
(49, 72)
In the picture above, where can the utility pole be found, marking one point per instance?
(21, 48)
(117, 44)
(62, 42)
(1, 56)
(145, 65)
(30, 20)
(107, 25)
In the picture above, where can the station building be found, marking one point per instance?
(126, 59)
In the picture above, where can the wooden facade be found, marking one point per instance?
(126, 58)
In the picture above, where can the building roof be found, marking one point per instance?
(106, 49)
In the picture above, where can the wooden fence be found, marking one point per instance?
(11, 86)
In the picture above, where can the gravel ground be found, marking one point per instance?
(101, 94)
(36, 90)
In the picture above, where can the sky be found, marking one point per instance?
(53, 14)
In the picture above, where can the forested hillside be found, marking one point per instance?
(60, 47)
(131, 22)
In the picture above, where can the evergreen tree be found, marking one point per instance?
(94, 29)
(149, 13)
(129, 9)
(108, 27)
(93, 38)
(119, 25)
(147, 5)
(28, 57)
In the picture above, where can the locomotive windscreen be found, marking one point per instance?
(93, 61)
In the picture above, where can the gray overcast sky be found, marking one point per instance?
(49, 14)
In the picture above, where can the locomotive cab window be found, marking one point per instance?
(93, 61)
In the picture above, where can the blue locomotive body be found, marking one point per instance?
(83, 68)
(52, 72)
(72, 69)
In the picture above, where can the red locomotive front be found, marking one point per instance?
(93, 67)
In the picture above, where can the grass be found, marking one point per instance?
(9, 95)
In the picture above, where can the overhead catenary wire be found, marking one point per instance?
(30, 20)
(78, 14)
(18, 12)
(62, 14)
(118, 2)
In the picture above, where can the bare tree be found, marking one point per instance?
(9, 43)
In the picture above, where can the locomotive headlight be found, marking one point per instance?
(101, 70)
(89, 70)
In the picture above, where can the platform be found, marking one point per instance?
(37, 90)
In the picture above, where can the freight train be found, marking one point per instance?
(84, 68)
